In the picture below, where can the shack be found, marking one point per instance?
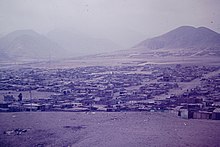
(202, 115)
(216, 114)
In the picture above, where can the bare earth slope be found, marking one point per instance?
(184, 37)
(183, 41)
(133, 129)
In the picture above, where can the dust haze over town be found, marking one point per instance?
(121, 24)
(109, 73)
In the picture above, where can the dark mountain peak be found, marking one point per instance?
(206, 31)
(185, 28)
(182, 29)
(203, 28)
(189, 30)
(183, 37)
(188, 39)
(192, 27)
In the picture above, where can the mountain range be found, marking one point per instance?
(28, 44)
(185, 40)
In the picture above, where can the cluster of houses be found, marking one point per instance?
(119, 88)
(180, 73)
(201, 102)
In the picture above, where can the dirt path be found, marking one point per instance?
(184, 86)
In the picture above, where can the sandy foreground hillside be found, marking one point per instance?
(101, 129)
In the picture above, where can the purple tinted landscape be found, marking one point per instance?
(117, 73)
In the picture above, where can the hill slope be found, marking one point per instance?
(199, 41)
(26, 44)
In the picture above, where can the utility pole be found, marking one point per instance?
(30, 98)
(49, 59)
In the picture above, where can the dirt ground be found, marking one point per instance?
(111, 61)
(103, 129)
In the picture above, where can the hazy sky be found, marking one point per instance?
(123, 21)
